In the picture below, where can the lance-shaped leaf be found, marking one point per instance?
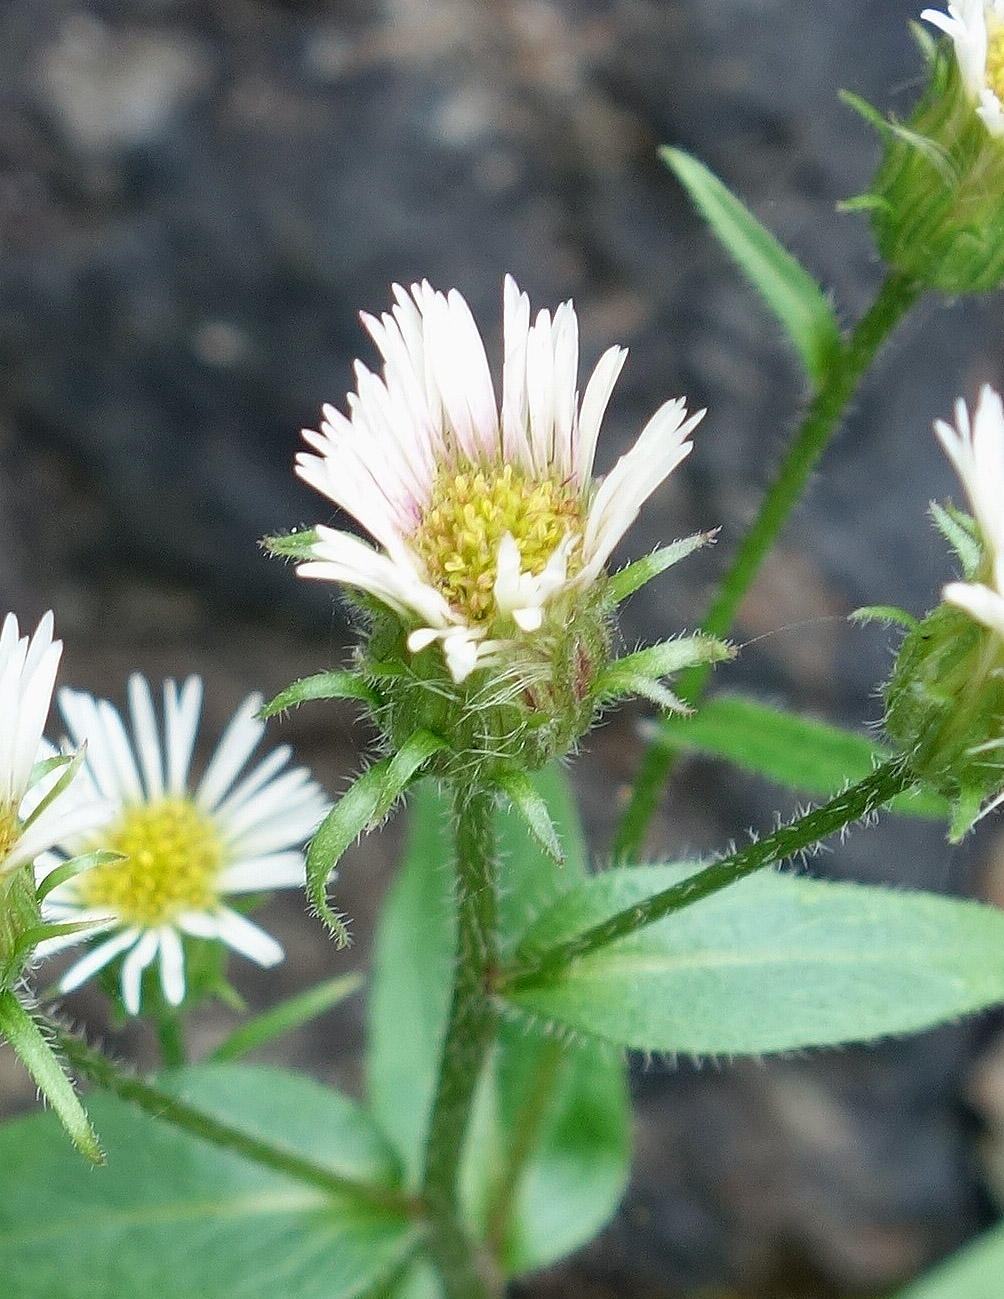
(532, 808)
(787, 288)
(363, 805)
(639, 673)
(37, 1056)
(292, 1013)
(773, 963)
(974, 1272)
(293, 545)
(803, 754)
(338, 684)
(633, 576)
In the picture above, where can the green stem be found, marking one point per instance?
(894, 298)
(470, 1034)
(171, 1036)
(105, 1074)
(868, 795)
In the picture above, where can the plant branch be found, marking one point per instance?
(868, 795)
(104, 1073)
(896, 295)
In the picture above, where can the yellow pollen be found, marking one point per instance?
(995, 59)
(173, 855)
(470, 512)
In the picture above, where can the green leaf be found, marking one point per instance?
(525, 800)
(29, 1045)
(410, 989)
(419, 1281)
(888, 614)
(774, 963)
(802, 754)
(175, 1217)
(974, 1272)
(629, 579)
(541, 1201)
(288, 1015)
(338, 684)
(366, 802)
(293, 545)
(961, 533)
(787, 288)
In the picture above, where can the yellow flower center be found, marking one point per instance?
(172, 856)
(470, 512)
(995, 58)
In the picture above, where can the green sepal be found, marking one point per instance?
(337, 684)
(629, 579)
(365, 803)
(67, 869)
(788, 289)
(639, 673)
(292, 1013)
(72, 766)
(293, 545)
(888, 614)
(526, 800)
(961, 533)
(29, 1045)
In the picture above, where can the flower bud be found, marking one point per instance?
(936, 199)
(945, 699)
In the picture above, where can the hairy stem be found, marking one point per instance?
(870, 794)
(104, 1073)
(894, 298)
(467, 1272)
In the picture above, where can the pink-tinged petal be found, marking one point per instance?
(661, 446)
(515, 413)
(594, 405)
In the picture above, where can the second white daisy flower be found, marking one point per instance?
(186, 846)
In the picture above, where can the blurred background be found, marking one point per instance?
(196, 199)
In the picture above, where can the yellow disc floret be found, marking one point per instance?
(172, 856)
(468, 514)
(995, 58)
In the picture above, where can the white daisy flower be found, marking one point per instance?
(976, 449)
(186, 846)
(483, 520)
(33, 815)
(977, 31)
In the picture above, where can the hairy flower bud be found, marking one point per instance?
(945, 700)
(936, 198)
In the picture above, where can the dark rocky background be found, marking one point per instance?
(197, 196)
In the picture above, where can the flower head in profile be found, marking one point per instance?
(975, 447)
(976, 28)
(36, 811)
(185, 846)
(488, 524)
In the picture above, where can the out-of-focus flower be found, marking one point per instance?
(185, 847)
